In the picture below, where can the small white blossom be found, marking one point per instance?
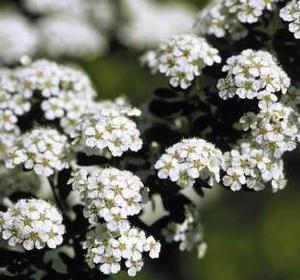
(253, 74)
(189, 160)
(44, 150)
(188, 234)
(251, 167)
(33, 223)
(110, 194)
(106, 250)
(275, 128)
(182, 58)
(291, 14)
(108, 129)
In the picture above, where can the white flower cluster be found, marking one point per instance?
(34, 223)
(182, 58)
(216, 20)
(108, 130)
(64, 35)
(253, 74)
(145, 17)
(188, 234)
(17, 37)
(248, 165)
(107, 250)
(248, 11)
(189, 160)
(224, 16)
(276, 129)
(291, 14)
(12, 104)
(64, 92)
(110, 194)
(43, 149)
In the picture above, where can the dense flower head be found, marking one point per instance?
(291, 14)
(63, 92)
(222, 17)
(188, 234)
(189, 160)
(275, 128)
(108, 130)
(33, 223)
(44, 150)
(216, 20)
(182, 58)
(248, 11)
(145, 17)
(17, 37)
(7, 141)
(107, 250)
(250, 166)
(253, 74)
(70, 36)
(110, 194)
(12, 104)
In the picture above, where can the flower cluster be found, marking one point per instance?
(145, 17)
(253, 74)
(17, 37)
(291, 14)
(34, 223)
(107, 250)
(276, 129)
(189, 160)
(12, 104)
(110, 194)
(63, 93)
(248, 11)
(109, 130)
(182, 58)
(216, 20)
(70, 36)
(227, 16)
(252, 167)
(188, 234)
(43, 149)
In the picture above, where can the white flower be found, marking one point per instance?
(188, 234)
(33, 223)
(43, 150)
(107, 250)
(291, 14)
(182, 58)
(189, 160)
(215, 19)
(110, 194)
(276, 128)
(108, 129)
(253, 74)
(250, 166)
